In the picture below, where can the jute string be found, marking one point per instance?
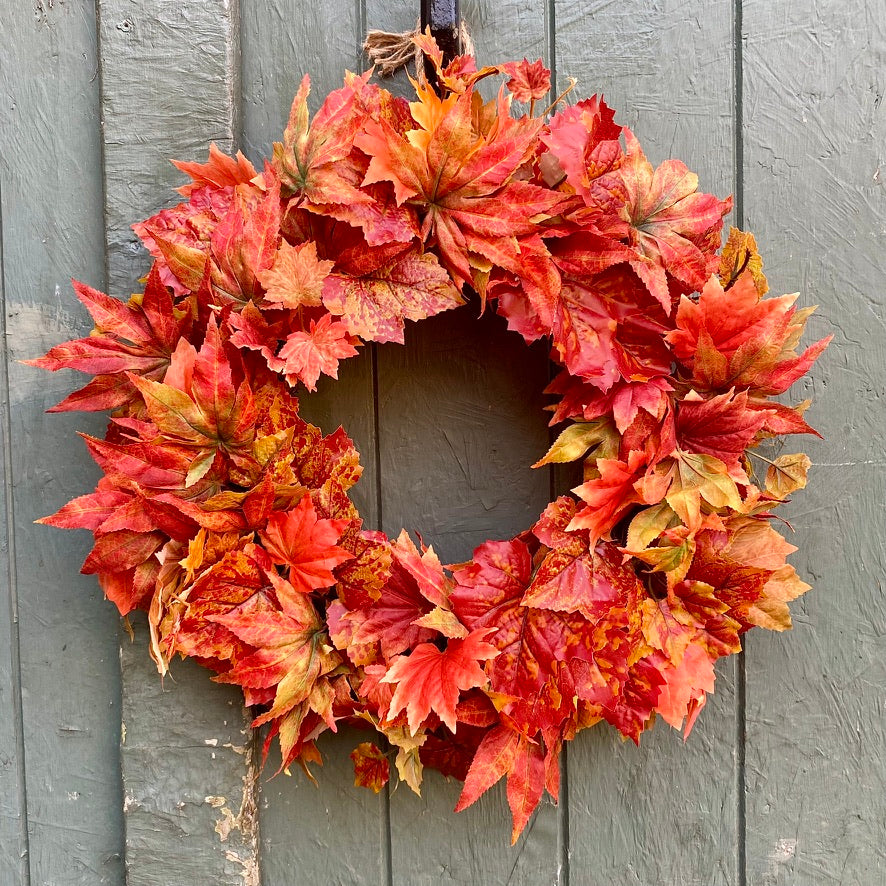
(390, 52)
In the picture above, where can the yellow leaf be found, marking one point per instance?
(787, 474)
(577, 439)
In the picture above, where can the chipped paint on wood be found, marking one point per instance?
(169, 78)
(191, 790)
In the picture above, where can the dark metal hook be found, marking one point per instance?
(444, 20)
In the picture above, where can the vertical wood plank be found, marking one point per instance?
(189, 775)
(170, 81)
(460, 422)
(664, 812)
(170, 85)
(13, 810)
(332, 832)
(815, 75)
(50, 160)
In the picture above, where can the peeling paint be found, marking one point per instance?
(245, 821)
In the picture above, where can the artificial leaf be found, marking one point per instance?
(305, 355)
(371, 767)
(787, 474)
(306, 545)
(375, 303)
(528, 81)
(296, 276)
(430, 680)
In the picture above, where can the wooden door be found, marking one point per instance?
(108, 776)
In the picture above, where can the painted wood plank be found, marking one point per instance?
(331, 832)
(189, 775)
(170, 75)
(13, 812)
(460, 422)
(50, 155)
(814, 130)
(170, 85)
(664, 812)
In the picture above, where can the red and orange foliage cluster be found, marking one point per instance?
(227, 517)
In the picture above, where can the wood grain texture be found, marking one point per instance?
(50, 161)
(170, 85)
(814, 131)
(460, 423)
(331, 832)
(664, 812)
(13, 810)
(189, 773)
(170, 74)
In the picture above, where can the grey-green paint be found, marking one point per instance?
(782, 781)
(664, 812)
(172, 734)
(814, 143)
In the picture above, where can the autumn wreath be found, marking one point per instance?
(226, 516)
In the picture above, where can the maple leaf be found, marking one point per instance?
(297, 539)
(138, 336)
(132, 588)
(305, 355)
(674, 228)
(737, 339)
(722, 426)
(537, 647)
(505, 751)
(309, 159)
(430, 680)
(375, 301)
(684, 687)
(583, 140)
(607, 328)
(148, 465)
(391, 620)
(608, 496)
(207, 413)
(89, 511)
(460, 180)
(291, 653)
(528, 82)
(120, 550)
(219, 171)
(576, 576)
(296, 276)
(244, 242)
(178, 237)
(371, 767)
(622, 401)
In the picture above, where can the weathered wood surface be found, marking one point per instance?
(332, 832)
(780, 103)
(181, 823)
(69, 717)
(664, 812)
(814, 141)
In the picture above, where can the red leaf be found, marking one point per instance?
(721, 426)
(306, 545)
(219, 171)
(375, 304)
(371, 767)
(119, 551)
(430, 680)
(529, 82)
(306, 354)
(738, 339)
